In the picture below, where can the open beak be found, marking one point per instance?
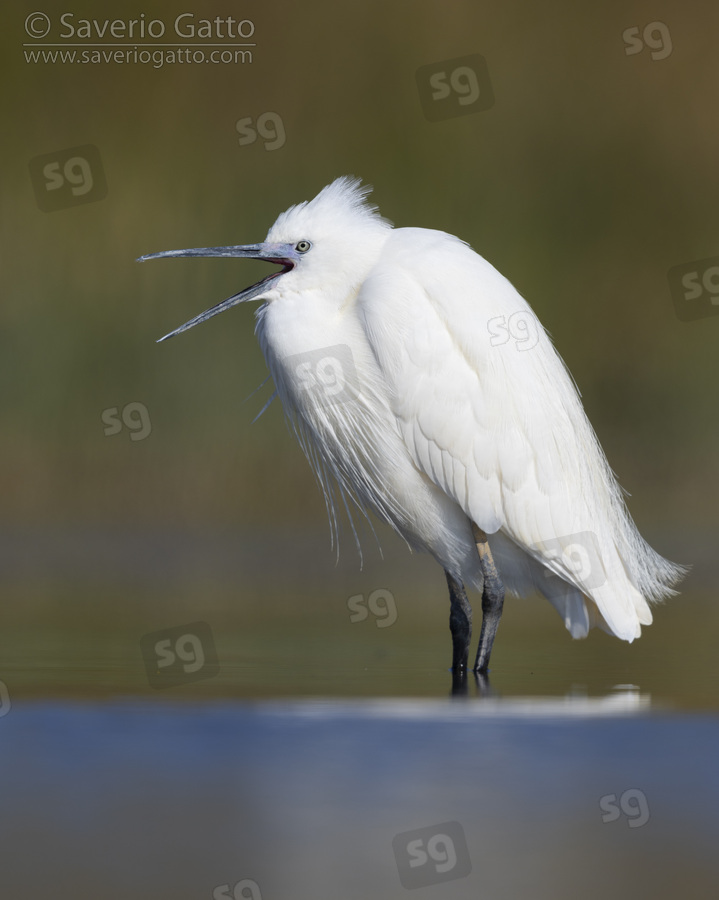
(284, 254)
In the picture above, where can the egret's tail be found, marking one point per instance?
(607, 590)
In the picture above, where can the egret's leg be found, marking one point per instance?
(492, 600)
(460, 623)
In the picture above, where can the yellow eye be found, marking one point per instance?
(302, 246)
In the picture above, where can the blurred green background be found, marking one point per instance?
(591, 175)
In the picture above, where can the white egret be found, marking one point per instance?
(422, 387)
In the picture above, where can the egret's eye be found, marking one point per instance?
(302, 246)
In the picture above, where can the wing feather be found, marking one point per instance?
(489, 413)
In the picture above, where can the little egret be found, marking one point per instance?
(421, 386)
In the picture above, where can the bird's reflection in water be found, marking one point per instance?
(623, 699)
(460, 684)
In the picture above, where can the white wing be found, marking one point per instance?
(489, 413)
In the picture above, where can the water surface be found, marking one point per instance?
(324, 749)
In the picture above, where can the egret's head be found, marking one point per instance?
(328, 244)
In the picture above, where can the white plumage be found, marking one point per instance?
(448, 416)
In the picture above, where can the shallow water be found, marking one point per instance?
(304, 740)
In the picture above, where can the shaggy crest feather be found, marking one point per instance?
(340, 205)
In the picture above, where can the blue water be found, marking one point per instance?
(492, 798)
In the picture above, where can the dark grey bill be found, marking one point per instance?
(284, 254)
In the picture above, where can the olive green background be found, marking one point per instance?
(591, 175)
